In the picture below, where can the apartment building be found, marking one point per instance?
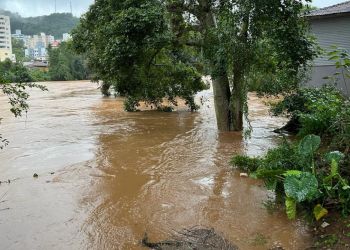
(5, 39)
(36, 46)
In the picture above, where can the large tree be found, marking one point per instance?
(65, 64)
(149, 49)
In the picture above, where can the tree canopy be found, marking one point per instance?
(18, 49)
(65, 64)
(150, 49)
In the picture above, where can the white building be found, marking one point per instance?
(19, 36)
(36, 46)
(66, 37)
(5, 39)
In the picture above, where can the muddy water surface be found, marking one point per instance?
(106, 176)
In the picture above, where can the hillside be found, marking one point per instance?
(54, 24)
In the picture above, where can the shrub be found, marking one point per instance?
(314, 109)
(302, 176)
(246, 163)
(39, 76)
(131, 104)
(341, 129)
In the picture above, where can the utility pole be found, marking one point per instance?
(55, 6)
(71, 9)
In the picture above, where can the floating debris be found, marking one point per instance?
(325, 224)
(35, 175)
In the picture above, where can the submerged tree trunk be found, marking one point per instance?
(238, 99)
(222, 95)
(229, 115)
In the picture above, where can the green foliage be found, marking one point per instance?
(340, 128)
(18, 49)
(303, 176)
(155, 49)
(319, 212)
(291, 208)
(327, 241)
(246, 163)
(66, 65)
(39, 76)
(54, 24)
(314, 109)
(15, 80)
(342, 64)
(301, 187)
(131, 104)
(309, 145)
(130, 47)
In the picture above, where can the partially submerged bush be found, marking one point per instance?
(303, 176)
(313, 109)
(246, 163)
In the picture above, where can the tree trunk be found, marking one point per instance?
(222, 94)
(229, 115)
(237, 99)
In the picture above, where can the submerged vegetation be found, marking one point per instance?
(150, 50)
(302, 175)
(312, 173)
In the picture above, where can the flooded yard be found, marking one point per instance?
(106, 177)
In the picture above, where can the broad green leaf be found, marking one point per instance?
(309, 145)
(301, 188)
(291, 208)
(319, 212)
(335, 155)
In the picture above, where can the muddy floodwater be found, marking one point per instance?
(106, 176)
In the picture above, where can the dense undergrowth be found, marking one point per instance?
(312, 174)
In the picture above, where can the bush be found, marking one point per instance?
(302, 176)
(131, 104)
(341, 129)
(314, 109)
(246, 163)
(39, 75)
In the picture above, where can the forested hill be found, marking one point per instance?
(54, 24)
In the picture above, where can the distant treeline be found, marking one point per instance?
(64, 65)
(54, 24)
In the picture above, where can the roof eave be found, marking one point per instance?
(324, 16)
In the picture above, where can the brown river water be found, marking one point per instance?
(106, 176)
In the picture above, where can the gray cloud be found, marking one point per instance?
(44, 7)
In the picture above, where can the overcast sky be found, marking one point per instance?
(44, 7)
